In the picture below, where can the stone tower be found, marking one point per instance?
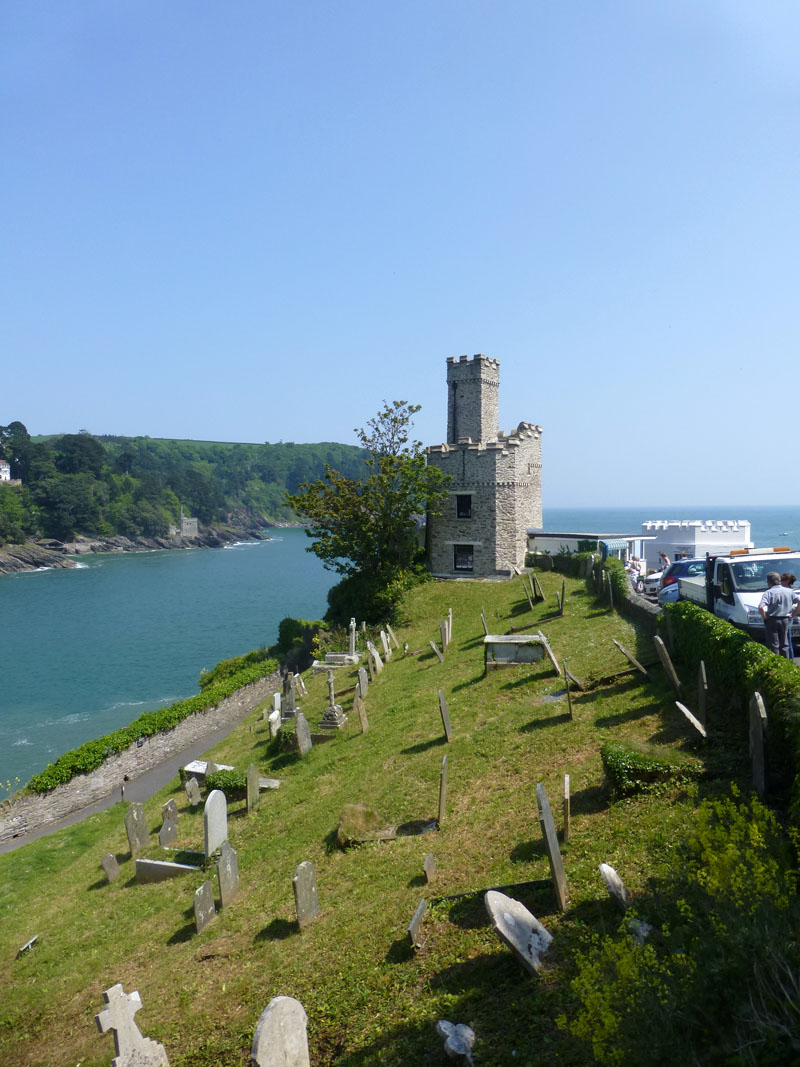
(496, 491)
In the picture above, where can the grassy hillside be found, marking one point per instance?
(369, 998)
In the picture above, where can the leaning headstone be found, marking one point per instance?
(566, 807)
(445, 715)
(429, 867)
(387, 651)
(527, 594)
(169, 811)
(375, 656)
(168, 834)
(548, 651)
(563, 598)
(361, 711)
(631, 659)
(702, 693)
(758, 735)
(274, 723)
(370, 666)
(300, 685)
(566, 687)
(614, 885)
(227, 874)
(302, 733)
(393, 639)
(435, 648)
(215, 821)
(458, 1040)
(131, 1047)
(666, 663)
(110, 866)
(443, 791)
(363, 683)
(519, 929)
(443, 634)
(148, 871)
(415, 926)
(280, 1039)
(539, 590)
(306, 901)
(691, 718)
(193, 792)
(253, 790)
(485, 624)
(204, 909)
(136, 828)
(551, 846)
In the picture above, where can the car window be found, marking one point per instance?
(696, 568)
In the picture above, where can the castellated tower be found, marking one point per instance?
(496, 491)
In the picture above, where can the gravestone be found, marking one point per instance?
(193, 792)
(351, 648)
(443, 634)
(415, 926)
(458, 1040)
(393, 639)
(168, 834)
(519, 929)
(370, 666)
(215, 821)
(253, 790)
(758, 737)
(527, 594)
(227, 874)
(148, 871)
(614, 885)
(280, 1039)
(363, 683)
(333, 717)
(131, 1047)
(304, 885)
(387, 651)
(566, 807)
(551, 846)
(300, 685)
(110, 866)
(666, 663)
(276, 702)
(563, 599)
(548, 651)
(136, 828)
(435, 648)
(445, 715)
(429, 867)
(702, 693)
(361, 711)
(443, 791)
(374, 655)
(449, 626)
(566, 687)
(691, 718)
(274, 723)
(302, 734)
(631, 659)
(169, 811)
(204, 909)
(485, 625)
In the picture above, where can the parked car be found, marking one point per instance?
(669, 594)
(652, 582)
(682, 568)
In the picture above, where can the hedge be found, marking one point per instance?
(633, 767)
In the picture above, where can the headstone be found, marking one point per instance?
(443, 791)
(631, 659)
(136, 828)
(415, 926)
(458, 1040)
(111, 867)
(449, 626)
(666, 663)
(702, 693)
(193, 792)
(575, 681)
(548, 651)
(558, 603)
(758, 736)
(691, 718)
(387, 651)
(363, 683)
(168, 834)
(292, 696)
(445, 715)
(519, 929)
(306, 901)
(610, 593)
(131, 1047)
(227, 874)
(302, 733)
(253, 790)
(566, 807)
(551, 846)
(485, 625)
(527, 594)
(361, 711)
(274, 723)
(566, 686)
(148, 871)
(429, 867)
(370, 666)
(351, 648)
(300, 685)
(280, 1039)
(539, 589)
(376, 658)
(393, 639)
(215, 821)
(27, 946)
(435, 648)
(614, 885)
(563, 599)
(204, 909)
(169, 811)
(443, 634)
(276, 702)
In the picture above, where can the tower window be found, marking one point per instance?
(462, 557)
(464, 506)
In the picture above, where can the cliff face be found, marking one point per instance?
(30, 557)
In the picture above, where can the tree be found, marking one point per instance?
(366, 529)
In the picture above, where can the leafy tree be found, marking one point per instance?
(79, 453)
(366, 528)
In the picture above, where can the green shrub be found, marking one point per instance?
(633, 767)
(232, 783)
(226, 668)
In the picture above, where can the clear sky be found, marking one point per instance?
(249, 220)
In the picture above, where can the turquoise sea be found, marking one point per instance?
(87, 650)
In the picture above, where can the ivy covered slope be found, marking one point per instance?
(136, 486)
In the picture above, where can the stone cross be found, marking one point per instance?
(280, 1039)
(758, 732)
(363, 683)
(443, 791)
(331, 690)
(227, 874)
(133, 1050)
(304, 885)
(566, 807)
(666, 663)
(253, 788)
(351, 650)
(136, 828)
(551, 847)
(215, 821)
(445, 715)
(204, 909)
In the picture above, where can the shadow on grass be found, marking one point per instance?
(277, 930)
(589, 801)
(415, 827)
(331, 842)
(99, 884)
(527, 851)
(540, 724)
(468, 911)
(423, 746)
(286, 759)
(185, 933)
(467, 645)
(470, 682)
(400, 950)
(527, 680)
(417, 881)
(617, 718)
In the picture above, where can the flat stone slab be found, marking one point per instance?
(161, 870)
(198, 769)
(519, 929)
(508, 650)
(269, 783)
(358, 823)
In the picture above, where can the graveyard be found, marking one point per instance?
(461, 770)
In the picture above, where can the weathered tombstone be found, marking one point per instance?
(387, 651)
(631, 659)
(274, 723)
(204, 909)
(136, 828)
(376, 657)
(566, 686)
(539, 589)
(253, 790)
(363, 683)
(351, 647)
(361, 711)
(443, 634)
(566, 807)
(551, 846)
(280, 1039)
(370, 666)
(485, 624)
(415, 926)
(458, 1040)
(563, 599)
(575, 681)
(527, 594)
(558, 603)
(276, 702)
(302, 734)
(758, 736)
(519, 929)
(614, 885)
(435, 648)
(666, 663)
(215, 821)
(168, 834)
(691, 718)
(393, 639)
(131, 1047)
(443, 791)
(193, 792)
(227, 874)
(702, 693)
(304, 885)
(300, 685)
(148, 871)
(445, 715)
(449, 626)
(110, 866)
(429, 867)
(169, 811)
(548, 651)
(292, 695)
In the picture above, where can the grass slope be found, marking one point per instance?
(369, 998)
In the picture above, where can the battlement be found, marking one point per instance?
(477, 360)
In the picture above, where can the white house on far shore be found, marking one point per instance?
(5, 470)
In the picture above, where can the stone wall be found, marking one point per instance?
(472, 398)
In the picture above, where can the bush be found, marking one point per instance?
(227, 668)
(374, 598)
(633, 767)
(232, 783)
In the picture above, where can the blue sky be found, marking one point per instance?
(256, 221)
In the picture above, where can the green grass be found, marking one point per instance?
(369, 998)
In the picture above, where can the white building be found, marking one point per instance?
(693, 537)
(5, 470)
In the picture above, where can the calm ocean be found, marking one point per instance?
(86, 650)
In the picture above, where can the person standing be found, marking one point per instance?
(788, 580)
(777, 608)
